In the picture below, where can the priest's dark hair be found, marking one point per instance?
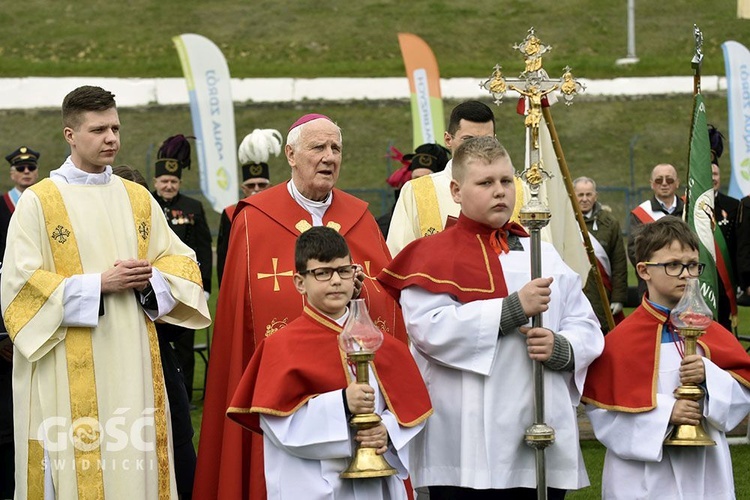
(471, 111)
(650, 238)
(83, 99)
(320, 243)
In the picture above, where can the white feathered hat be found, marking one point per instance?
(254, 151)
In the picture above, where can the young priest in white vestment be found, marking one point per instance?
(467, 299)
(299, 391)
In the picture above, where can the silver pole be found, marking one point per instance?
(631, 29)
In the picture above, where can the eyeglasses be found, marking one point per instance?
(675, 269)
(256, 185)
(664, 180)
(326, 273)
(24, 168)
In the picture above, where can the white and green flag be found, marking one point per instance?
(700, 201)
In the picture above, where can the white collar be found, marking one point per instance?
(71, 174)
(315, 208)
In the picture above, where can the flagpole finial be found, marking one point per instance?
(698, 56)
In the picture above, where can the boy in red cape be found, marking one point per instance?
(467, 300)
(298, 390)
(629, 389)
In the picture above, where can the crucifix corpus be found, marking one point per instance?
(535, 85)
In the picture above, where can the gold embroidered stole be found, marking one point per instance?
(428, 206)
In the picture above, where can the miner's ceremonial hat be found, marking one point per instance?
(173, 156)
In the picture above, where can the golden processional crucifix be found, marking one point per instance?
(534, 84)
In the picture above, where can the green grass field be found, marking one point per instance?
(308, 38)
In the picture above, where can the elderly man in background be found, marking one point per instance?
(664, 184)
(609, 249)
(259, 297)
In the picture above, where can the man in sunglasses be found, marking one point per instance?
(24, 173)
(664, 184)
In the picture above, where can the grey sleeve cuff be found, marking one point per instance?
(562, 356)
(512, 314)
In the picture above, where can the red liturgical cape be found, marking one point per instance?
(257, 298)
(624, 377)
(304, 361)
(459, 261)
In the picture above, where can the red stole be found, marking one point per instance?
(642, 215)
(460, 261)
(256, 299)
(303, 360)
(624, 377)
(9, 203)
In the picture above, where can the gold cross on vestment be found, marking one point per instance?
(275, 274)
(369, 276)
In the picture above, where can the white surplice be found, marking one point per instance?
(305, 452)
(639, 466)
(481, 385)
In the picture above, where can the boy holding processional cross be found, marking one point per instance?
(467, 298)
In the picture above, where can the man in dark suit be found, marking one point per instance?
(187, 219)
(726, 212)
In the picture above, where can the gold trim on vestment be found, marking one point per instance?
(388, 403)
(180, 266)
(428, 206)
(140, 202)
(79, 350)
(491, 289)
(29, 301)
(35, 471)
(302, 226)
(160, 412)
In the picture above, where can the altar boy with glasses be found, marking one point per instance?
(299, 392)
(629, 389)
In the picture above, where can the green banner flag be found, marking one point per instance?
(700, 201)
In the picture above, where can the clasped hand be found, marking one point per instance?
(130, 274)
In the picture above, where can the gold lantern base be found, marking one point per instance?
(366, 463)
(689, 435)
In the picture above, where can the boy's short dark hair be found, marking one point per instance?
(319, 243)
(650, 238)
(471, 111)
(486, 149)
(83, 99)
